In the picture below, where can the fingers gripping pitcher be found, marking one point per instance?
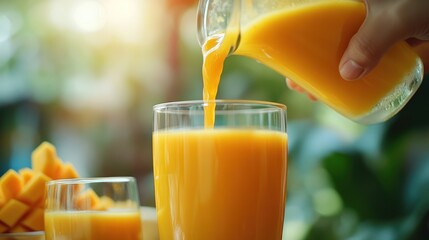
(304, 41)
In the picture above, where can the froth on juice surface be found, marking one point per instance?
(92, 225)
(220, 183)
(305, 43)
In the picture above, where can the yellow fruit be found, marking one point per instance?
(22, 193)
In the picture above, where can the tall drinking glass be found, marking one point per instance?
(224, 182)
(92, 209)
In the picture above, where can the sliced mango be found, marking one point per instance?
(33, 220)
(12, 212)
(40, 203)
(22, 193)
(19, 229)
(26, 174)
(44, 159)
(87, 200)
(34, 189)
(3, 228)
(67, 170)
(11, 184)
(104, 203)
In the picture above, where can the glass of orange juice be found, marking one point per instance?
(92, 208)
(224, 181)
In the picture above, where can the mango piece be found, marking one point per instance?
(3, 228)
(19, 229)
(67, 170)
(87, 200)
(40, 203)
(58, 168)
(2, 200)
(104, 203)
(34, 190)
(26, 174)
(12, 212)
(22, 193)
(11, 184)
(34, 220)
(44, 159)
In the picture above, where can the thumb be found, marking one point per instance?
(376, 35)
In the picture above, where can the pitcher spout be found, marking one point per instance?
(219, 18)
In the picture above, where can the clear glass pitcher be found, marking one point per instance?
(304, 41)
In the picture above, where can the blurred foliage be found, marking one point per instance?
(84, 74)
(381, 178)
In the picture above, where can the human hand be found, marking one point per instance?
(387, 22)
(292, 85)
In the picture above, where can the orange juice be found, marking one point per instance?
(92, 225)
(306, 42)
(215, 51)
(220, 183)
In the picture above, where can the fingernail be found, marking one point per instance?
(351, 70)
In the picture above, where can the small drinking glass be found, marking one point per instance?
(93, 208)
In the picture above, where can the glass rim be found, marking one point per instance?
(71, 181)
(163, 106)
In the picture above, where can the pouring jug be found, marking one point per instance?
(304, 40)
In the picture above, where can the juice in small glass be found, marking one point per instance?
(93, 225)
(92, 209)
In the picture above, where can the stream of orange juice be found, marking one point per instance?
(216, 184)
(215, 50)
(92, 225)
(305, 43)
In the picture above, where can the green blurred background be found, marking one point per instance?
(84, 75)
